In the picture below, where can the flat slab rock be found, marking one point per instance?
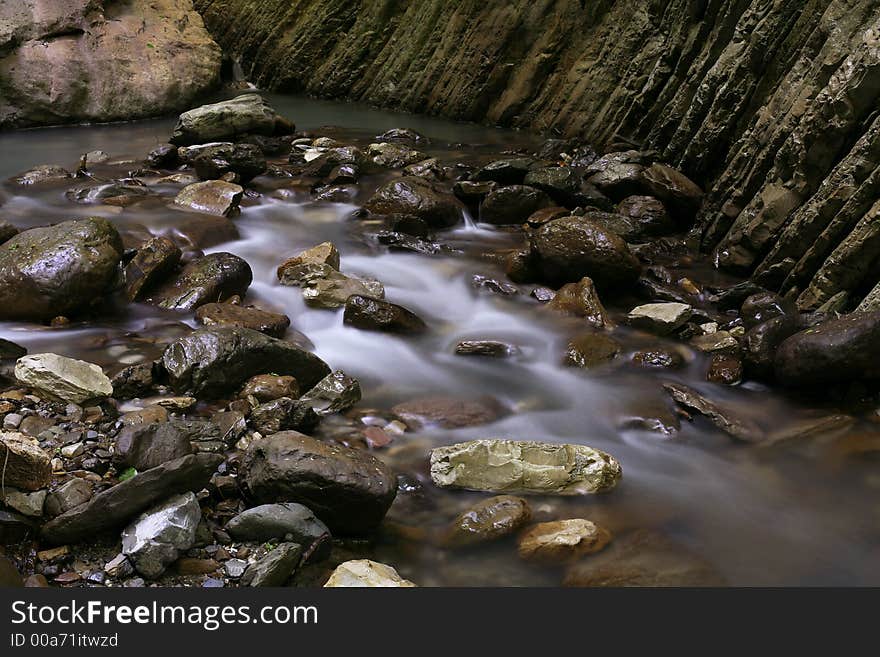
(366, 573)
(26, 465)
(523, 467)
(69, 379)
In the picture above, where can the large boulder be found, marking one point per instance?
(348, 489)
(419, 197)
(72, 380)
(215, 277)
(156, 538)
(58, 270)
(244, 114)
(107, 61)
(211, 197)
(213, 361)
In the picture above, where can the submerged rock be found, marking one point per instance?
(227, 314)
(518, 466)
(214, 277)
(366, 573)
(69, 379)
(448, 412)
(489, 348)
(335, 393)
(154, 540)
(42, 173)
(418, 197)
(591, 349)
(562, 540)
(488, 520)
(247, 113)
(211, 197)
(371, 314)
(737, 427)
(25, 465)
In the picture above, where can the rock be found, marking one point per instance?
(393, 156)
(153, 262)
(244, 114)
(28, 504)
(115, 193)
(57, 270)
(310, 265)
(648, 214)
(211, 197)
(562, 540)
(678, 192)
(235, 568)
(202, 231)
(566, 186)
(325, 163)
(581, 300)
(289, 521)
(366, 573)
(505, 172)
(266, 387)
(42, 173)
(348, 489)
(335, 289)
(214, 277)
(739, 428)
(761, 343)
(162, 157)
(219, 159)
(192, 566)
(10, 350)
(488, 520)
(472, 193)
(282, 414)
(335, 393)
(836, 351)
(591, 349)
(570, 248)
(404, 135)
(489, 348)
(658, 357)
(542, 216)
(448, 412)
(117, 504)
(67, 496)
(371, 314)
(215, 360)
(74, 381)
(512, 204)
(419, 197)
(619, 180)
(429, 168)
(227, 314)
(14, 528)
(144, 446)
(25, 465)
(761, 307)
(134, 381)
(156, 538)
(660, 318)
(726, 369)
(9, 575)
(493, 286)
(715, 342)
(524, 467)
(275, 568)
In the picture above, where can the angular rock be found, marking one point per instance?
(726, 369)
(524, 467)
(211, 197)
(220, 159)
(619, 180)
(739, 428)
(419, 197)
(67, 496)
(505, 172)
(162, 157)
(42, 173)
(214, 277)
(288, 521)
(488, 520)
(370, 314)
(227, 314)
(335, 393)
(448, 412)
(25, 465)
(155, 539)
(581, 300)
(660, 318)
(489, 348)
(28, 504)
(366, 573)
(648, 213)
(266, 387)
(282, 414)
(144, 446)
(151, 264)
(333, 290)
(512, 204)
(591, 349)
(678, 192)
(310, 265)
(247, 113)
(134, 381)
(761, 307)
(562, 540)
(275, 568)
(393, 156)
(72, 380)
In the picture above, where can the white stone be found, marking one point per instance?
(366, 573)
(69, 379)
(156, 538)
(660, 317)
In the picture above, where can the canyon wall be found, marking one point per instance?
(771, 105)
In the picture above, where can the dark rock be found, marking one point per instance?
(15, 528)
(202, 231)
(726, 369)
(410, 225)
(740, 428)
(658, 357)
(472, 193)
(335, 393)
(7, 230)
(10, 350)
(581, 300)
(489, 348)
(287, 521)
(244, 114)
(619, 180)
(214, 277)
(24, 464)
(512, 204)
(448, 412)
(419, 197)
(151, 264)
(348, 489)
(324, 165)
(163, 157)
(488, 520)
(493, 286)
(762, 306)
(144, 446)
(275, 568)
(732, 298)
(245, 160)
(211, 197)
(504, 172)
(42, 173)
(566, 186)
(58, 270)
(648, 214)
(282, 414)
(371, 314)
(542, 216)
(678, 192)
(404, 135)
(115, 193)
(134, 381)
(227, 314)
(67, 496)
(216, 360)
(762, 341)
(591, 349)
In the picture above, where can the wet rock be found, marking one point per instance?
(719, 341)
(211, 197)
(325, 163)
(7, 230)
(289, 521)
(740, 428)
(366, 573)
(215, 360)
(512, 204)
(266, 387)
(14, 528)
(42, 173)
(504, 172)
(162, 157)
(648, 214)
(658, 357)
(761, 307)
(334, 290)
(835, 351)
(275, 568)
(25, 465)
(214, 277)
(65, 378)
(335, 393)
(566, 186)
(403, 135)
(581, 300)
(393, 156)
(217, 160)
(371, 314)
(282, 414)
(58, 270)
(247, 113)
(480, 282)
(524, 467)
(430, 169)
(419, 197)
(678, 192)
(156, 538)
(312, 264)
(227, 314)
(117, 504)
(489, 348)
(472, 193)
(761, 343)
(202, 231)
(562, 540)
(660, 318)
(151, 264)
(448, 412)
(619, 180)
(542, 216)
(733, 297)
(411, 225)
(571, 248)
(488, 520)
(134, 381)
(591, 349)
(116, 193)
(726, 369)
(67, 496)
(144, 446)
(28, 504)
(348, 489)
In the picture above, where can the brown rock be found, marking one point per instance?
(581, 300)
(562, 540)
(227, 314)
(25, 465)
(153, 261)
(725, 368)
(448, 412)
(488, 520)
(266, 387)
(591, 349)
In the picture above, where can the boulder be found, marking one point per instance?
(505, 172)
(419, 197)
(217, 360)
(348, 489)
(42, 173)
(211, 197)
(366, 573)
(67, 496)
(763, 306)
(72, 380)
(227, 314)
(162, 157)
(247, 113)
(335, 393)
(512, 204)
(519, 466)
(570, 248)
(334, 290)
(393, 156)
(678, 192)
(619, 180)
(648, 214)
(58, 270)
(562, 540)
(726, 369)
(581, 300)
(325, 163)
(214, 277)
(371, 314)
(488, 520)
(155, 539)
(282, 414)
(288, 521)
(275, 568)
(566, 186)
(660, 318)
(144, 446)
(150, 265)
(137, 380)
(25, 465)
(472, 193)
(448, 412)
(213, 161)
(312, 264)
(27, 504)
(202, 231)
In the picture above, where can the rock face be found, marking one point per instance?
(57, 270)
(518, 466)
(155, 539)
(72, 380)
(107, 60)
(769, 107)
(347, 489)
(366, 573)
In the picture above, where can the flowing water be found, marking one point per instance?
(801, 513)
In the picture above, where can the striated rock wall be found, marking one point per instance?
(770, 104)
(101, 60)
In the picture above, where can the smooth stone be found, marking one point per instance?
(212, 278)
(678, 192)
(366, 573)
(512, 204)
(244, 114)
(72, 380)
(287, 521)
(369, 314)
(282, 414)
(15, 528)
(660, 318)
(419, 197)
(266, 387)
(488, 520)
(488, 348)
(591, 349)
(275, 568)
(333, 290)
(211, 197)
(144, 446)
(562, 540)
(227, 314)
(157, 537)
(25, 464)
(203, 231)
